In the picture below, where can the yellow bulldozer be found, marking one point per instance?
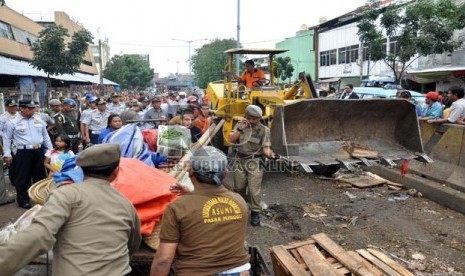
(318, 134)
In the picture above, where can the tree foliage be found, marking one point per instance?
(129, 71)
(56, 57)
(422, 28)
(283, 68)
(209, 61)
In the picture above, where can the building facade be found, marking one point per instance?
(301, 52)
(18, 78)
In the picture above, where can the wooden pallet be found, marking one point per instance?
(320, 256)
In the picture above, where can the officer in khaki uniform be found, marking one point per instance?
(252, 141)
(91, 226)
(211, 215)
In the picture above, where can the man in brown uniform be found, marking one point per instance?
(92, 227)
(252, 141)
(205, 229)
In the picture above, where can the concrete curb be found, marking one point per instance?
(443, 195)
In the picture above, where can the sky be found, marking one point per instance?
(162, 28)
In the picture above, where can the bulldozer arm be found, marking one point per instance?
(321, 132)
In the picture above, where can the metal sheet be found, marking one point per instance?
(316, 131)
(14, 67)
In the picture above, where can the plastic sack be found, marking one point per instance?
(147, 188)
(150, 137)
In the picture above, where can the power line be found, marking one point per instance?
(147, 45)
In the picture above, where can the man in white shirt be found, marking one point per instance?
(457, 109)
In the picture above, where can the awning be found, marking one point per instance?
(14, 67)
(436, 74)
(93, 79)
(329, 80)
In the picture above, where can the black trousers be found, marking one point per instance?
(29, 166)
(94, 138)
(12, 171)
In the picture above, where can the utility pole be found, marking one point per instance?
(100, 66)
(189, 42)
(238, 45)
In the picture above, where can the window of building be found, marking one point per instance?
(23, 36)
(348, 54)
(332, 57)
(393, 47)
(366, 54)
(366, 49)
(5, 31)
(324, 58)
(86, 62)
(328, 58)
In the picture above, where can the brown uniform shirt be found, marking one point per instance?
(209, 226)
(92, 227)
(253, 139)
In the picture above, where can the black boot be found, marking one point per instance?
(255, 219)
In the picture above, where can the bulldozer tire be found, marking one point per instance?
(326, 170)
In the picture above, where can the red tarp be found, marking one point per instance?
(147, 188)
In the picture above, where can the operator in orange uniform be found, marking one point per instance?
(252, 77)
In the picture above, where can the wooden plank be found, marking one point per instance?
(371, 267)
(390, 262)
(316, 265)
(331, 260)
(387, 181)
(363, 181)
(358, 268)
(315, 250)
(287, 261)
(343, 271)
(364, 153)
(298, 244)
(384, 267)
(278, 268)
(298, 258)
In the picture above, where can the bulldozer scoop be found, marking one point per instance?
(326, 132)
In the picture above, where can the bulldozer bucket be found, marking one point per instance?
(323, 132)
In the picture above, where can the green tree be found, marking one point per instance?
(423, 28)
(54, 56)
(209, 61)
(283, 68)
(130, 71)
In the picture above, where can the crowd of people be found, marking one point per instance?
(440, 107)
(73, 214)
(36, 143)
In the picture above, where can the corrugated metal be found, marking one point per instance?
(14, 67)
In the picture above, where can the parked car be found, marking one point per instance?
(377, 92)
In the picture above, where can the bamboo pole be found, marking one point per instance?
(204, 140)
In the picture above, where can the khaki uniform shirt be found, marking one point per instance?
(209, 226)
(253, 139)
(92, 227)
